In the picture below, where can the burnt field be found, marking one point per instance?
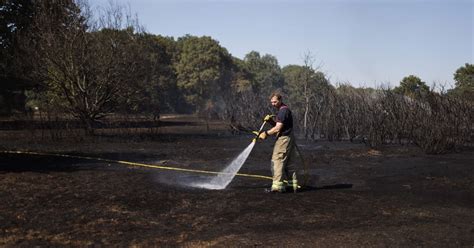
(356, 197)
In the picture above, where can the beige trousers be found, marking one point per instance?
(282, 166)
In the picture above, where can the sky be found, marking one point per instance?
(366, 43)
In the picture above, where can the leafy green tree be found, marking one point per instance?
(241, 76)
(294, 76)
(412, 86)
(157, 90)
(171, 98)
(464, 77)
(265, 71)
(242, 108)
(15, 18)
(203, 70)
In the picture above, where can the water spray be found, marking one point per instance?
(225, 176)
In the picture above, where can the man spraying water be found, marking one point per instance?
(284, 149)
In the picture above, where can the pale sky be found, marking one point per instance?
(363, 42)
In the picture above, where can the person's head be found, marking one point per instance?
(275, 99)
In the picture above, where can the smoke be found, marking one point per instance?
(225, 176)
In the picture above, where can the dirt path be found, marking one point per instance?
(358, 197)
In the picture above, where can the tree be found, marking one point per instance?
(157, 90)
(241, 103)
(304, 86)
(120, 70)
(241, 76)
(88, 68)
(295, 77)
(464, 77)
(203, 70)
(170, 98)
(412, 86)
(15, 18)
(265, 71)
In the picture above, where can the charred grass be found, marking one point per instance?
(395, 196)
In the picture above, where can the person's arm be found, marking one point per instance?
(276, 129)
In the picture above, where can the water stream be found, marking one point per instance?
(227, 174)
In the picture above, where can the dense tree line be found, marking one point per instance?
(60, 58)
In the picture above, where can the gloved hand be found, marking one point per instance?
(262, 135)
(268, 117)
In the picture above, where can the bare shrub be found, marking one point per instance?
(245, 110)
(436, 122)
(442, 123)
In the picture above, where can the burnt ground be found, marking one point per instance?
(357, 197)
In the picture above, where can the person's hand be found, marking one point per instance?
(268, 117)
(263, 135)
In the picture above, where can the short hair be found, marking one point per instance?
(277, 95)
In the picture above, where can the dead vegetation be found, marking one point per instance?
(436, 122)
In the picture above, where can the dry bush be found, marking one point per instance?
(354, 108)
(244, 111)
(442, 123)
(436, 122)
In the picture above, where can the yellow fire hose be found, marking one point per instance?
(162, 167)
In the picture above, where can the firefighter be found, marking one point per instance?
(284, 148)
